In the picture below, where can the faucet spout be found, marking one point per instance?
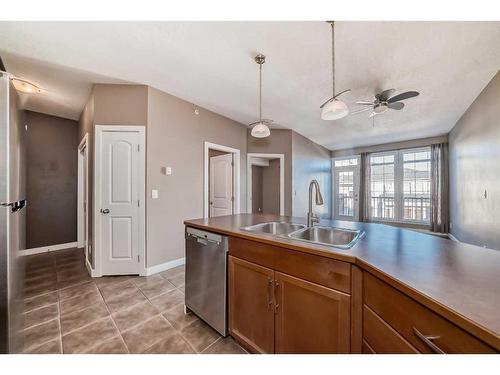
(311, 217)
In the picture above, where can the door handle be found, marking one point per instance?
(269, 293)
(104, 211)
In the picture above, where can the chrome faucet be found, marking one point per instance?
(311, 217)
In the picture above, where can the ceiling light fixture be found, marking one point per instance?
(334, 109)
(260, 128)
(25, 86)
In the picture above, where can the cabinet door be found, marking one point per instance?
(251, 307)
(310, 318)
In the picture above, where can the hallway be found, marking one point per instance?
(67, 311)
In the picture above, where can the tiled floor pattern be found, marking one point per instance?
(67, 311)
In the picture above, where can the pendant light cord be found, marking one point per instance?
(333, 57)
(260, 92)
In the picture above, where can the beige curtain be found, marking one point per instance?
(364, 187)
(440, 218)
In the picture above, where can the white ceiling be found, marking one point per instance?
(211, 64)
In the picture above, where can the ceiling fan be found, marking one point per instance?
(384, 101)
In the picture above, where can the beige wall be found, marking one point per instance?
(175, 138)
(474, 145)
(310, 161)
(51, 180)
(279, 142)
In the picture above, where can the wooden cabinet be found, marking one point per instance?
(251, 307)
(395, 323)
(310, 318)
(270, 312)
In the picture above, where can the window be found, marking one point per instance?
(346, 162)
(400, 184)
(346, 193)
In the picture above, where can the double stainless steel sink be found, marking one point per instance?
(330, 236)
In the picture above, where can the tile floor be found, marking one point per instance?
(67, 311)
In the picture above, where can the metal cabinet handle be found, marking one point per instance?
(276, 305)
(104, 211)
(428, 341)
(269, 292)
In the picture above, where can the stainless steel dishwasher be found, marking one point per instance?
(206, 275)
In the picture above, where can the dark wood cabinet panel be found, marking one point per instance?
(366, 348)
(251, 308)
(381, 337)
(413, 321)
(310, 318)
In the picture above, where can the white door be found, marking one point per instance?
(221, 185)
(120, 168)
(346, 190)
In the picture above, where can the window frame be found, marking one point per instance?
(399, 186)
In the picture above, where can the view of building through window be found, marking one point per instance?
(400, 183)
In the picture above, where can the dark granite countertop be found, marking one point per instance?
(459, 281)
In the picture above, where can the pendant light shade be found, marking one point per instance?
(334, 109)
(260, 129)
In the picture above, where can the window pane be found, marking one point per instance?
(346, 193)
(346, 162)
(382, 187)
(417, 186)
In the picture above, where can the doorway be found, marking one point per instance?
(346, 188)
(119, 199)
(83, 201)
(265, 183)
(221, 180)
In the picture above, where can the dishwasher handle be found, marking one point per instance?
(203, 237)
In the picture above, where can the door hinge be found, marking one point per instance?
(138, 203)
(138, 148)
(232, 199)
(138, 259)
(232, 164)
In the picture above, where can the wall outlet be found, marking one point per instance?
(154, 194)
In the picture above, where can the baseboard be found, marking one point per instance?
(47, 249)
(165, 266)
(452, 237)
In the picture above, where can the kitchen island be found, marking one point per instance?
(395, 291)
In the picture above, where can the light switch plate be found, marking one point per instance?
(169, 171)
(154, 194)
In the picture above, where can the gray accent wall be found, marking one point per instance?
(474, 145)
(310, 161)
(51, 188)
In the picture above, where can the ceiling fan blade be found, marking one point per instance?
(384, 95)
(360, 110)
(365, 103)
(403, 96)
(340, 93)
(396, 105)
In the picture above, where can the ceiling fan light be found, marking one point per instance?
(379, 109)
(333, 110)
(261, 130)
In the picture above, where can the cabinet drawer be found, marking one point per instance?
(414, 322)
(317, 269)
(381, 337)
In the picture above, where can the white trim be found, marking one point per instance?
(165, 266)
(81, 237)
(91, 271)
(236, 181)
(452, 237)
(250, 162)
(97, 193)
(48, 249)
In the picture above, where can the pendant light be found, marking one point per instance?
(334, 109)
(260, 128)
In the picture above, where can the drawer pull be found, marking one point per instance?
(428, 341)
